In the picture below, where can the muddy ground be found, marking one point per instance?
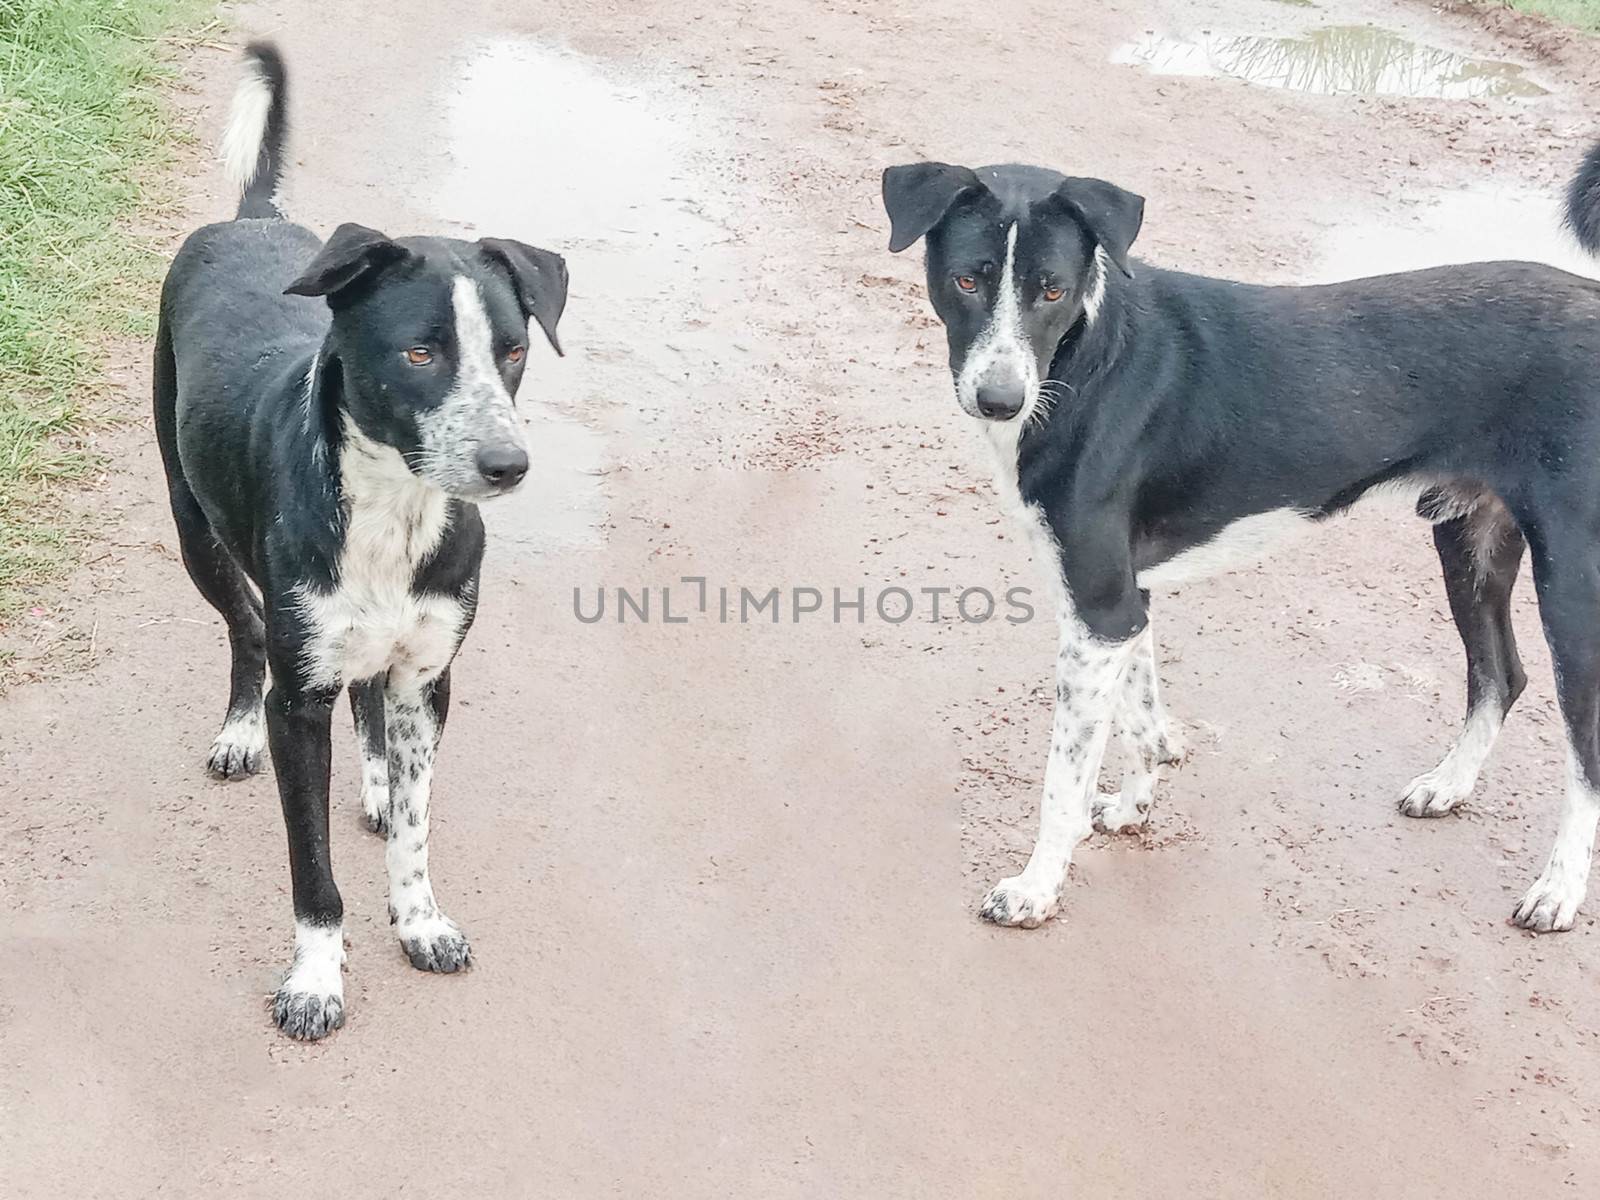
(722, 879)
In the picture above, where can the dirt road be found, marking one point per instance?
(721, 878)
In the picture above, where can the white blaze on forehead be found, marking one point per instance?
(1008, 306)
(474, 339)
(478, 410)
(1001, 346)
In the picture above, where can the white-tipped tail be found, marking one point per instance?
(247, 125)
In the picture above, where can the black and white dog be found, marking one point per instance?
(328, 414)
(1149, 426)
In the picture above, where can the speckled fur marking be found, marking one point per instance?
(431, 940)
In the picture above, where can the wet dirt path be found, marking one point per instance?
(721, 877)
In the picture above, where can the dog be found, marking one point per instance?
(329, 416)
(1151, 427)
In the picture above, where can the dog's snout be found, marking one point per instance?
(1000, 400)
(502, 464)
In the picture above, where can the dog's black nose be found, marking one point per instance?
(999, 402)
(502, 465)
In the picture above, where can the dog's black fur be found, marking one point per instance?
(277, 357)
(1159, 408)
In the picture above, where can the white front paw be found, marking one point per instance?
(436, 943)
(309, 1004)
(1020, 903)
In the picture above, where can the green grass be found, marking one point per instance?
(1580, 14)
(82, 126)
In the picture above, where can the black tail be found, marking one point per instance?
(1583, 202)
(252, 145)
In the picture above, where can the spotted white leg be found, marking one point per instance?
(1089, 674)
(1551, 904)
(413, 721)
(1149, 743)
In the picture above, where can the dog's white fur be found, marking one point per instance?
(1001, 347)
(1437, 792)
(1095, 294)
(1552, 902)
(239, 743)
(371, 620)
(1247, 540)
(431, 939)
(315, 980)
(1147, 743)
(478, 410)
(374, 788)
(240, 149)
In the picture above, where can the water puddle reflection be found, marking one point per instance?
(551, 147)
(1341, 59)
(561, 503)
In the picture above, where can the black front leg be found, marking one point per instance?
(310, 1001)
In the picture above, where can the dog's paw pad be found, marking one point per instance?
(1013, 902)
(1113, 814)
(436, 945)
(1551, 904)
(308, 1016)
(239, 747)
(1430, 796)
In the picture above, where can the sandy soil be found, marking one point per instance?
(721, 878)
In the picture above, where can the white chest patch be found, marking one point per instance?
(1003, 439)
(1248, 540)
(372, 621)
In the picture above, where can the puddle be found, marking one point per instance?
(561, 504)
(1477, 224)
(551, 147)
(1342, 59)
(548, 146)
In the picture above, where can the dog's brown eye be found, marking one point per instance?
(1052, 293)
(419, 356)
(966, 283)
(514, 355)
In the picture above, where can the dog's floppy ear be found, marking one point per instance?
(1111, 215)
(353, 252)
(918, 195)
(540, 279)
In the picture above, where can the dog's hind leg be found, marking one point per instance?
(366, 706)
(1148, 743)
(414, 714)
(239, 746)
(1480, 552)
(1567, 575)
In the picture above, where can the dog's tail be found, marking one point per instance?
(1583, 202)
(252, 145)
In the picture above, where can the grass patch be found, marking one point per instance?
(82, 125)
(1580, 14)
